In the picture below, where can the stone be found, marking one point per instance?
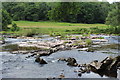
(62, 59)
(80, 74)
(62, 76)
(72, 62)
(90, 50)
(39, 60)
(106, 63)
(95, 64)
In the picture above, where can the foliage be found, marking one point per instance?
(89, 12)
(59, 11)
(14, 27)
(113, 18)
(27, 11)
(79, 12)
(65, 12)
(11, 47)
(88, 41)
(31, 33)
(2, 39)
(6, 20)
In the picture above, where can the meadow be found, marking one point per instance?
(58, 28)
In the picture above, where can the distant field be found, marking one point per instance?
(56, 24)
(47, 27)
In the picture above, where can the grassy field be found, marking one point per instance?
(47, 27)
(56, 24)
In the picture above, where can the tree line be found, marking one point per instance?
(73, 12)
(77, 12)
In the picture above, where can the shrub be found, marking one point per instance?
(88, 41)
(14, 27)
(2, 39)
(100, 38)
(77, 37)
(31, 33)
(55, 34)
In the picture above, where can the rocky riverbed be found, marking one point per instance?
(50, 57)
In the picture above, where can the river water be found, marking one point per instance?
(19, 66)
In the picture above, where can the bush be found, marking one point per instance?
(31, 33)
(55, 34)
(88, 41)
(14, 27)
(2, 39)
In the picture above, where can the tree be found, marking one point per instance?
(113, 18)
(90, 11)
(65, 12)
(27, 11)
(79, 12)
(14, 27)
(6, 20)
(75, 12)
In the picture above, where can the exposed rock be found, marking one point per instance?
(107, 67)
(72, 62)
(62, 59)
(39, 60)
(43, 53)
(62, 76)
(94, 37)
(30, 55)
(106, 63)
(118, 65)
(80, 74)
(80, 46)
(90, 50)
(2, 42)
(22, 52)
(86, 49)
(95, 64)
(99, 40)
(83, 49)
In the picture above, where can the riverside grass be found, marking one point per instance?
(50, 24)
(54, 28)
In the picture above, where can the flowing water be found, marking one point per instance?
(19, 66)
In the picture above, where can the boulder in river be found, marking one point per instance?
(72, 62)
(39, 60)
(62, 59)
(106, 67)
(2, 42)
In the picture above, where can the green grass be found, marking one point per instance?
(56, 24)
(57, 28)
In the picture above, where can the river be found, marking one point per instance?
(19, 66)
